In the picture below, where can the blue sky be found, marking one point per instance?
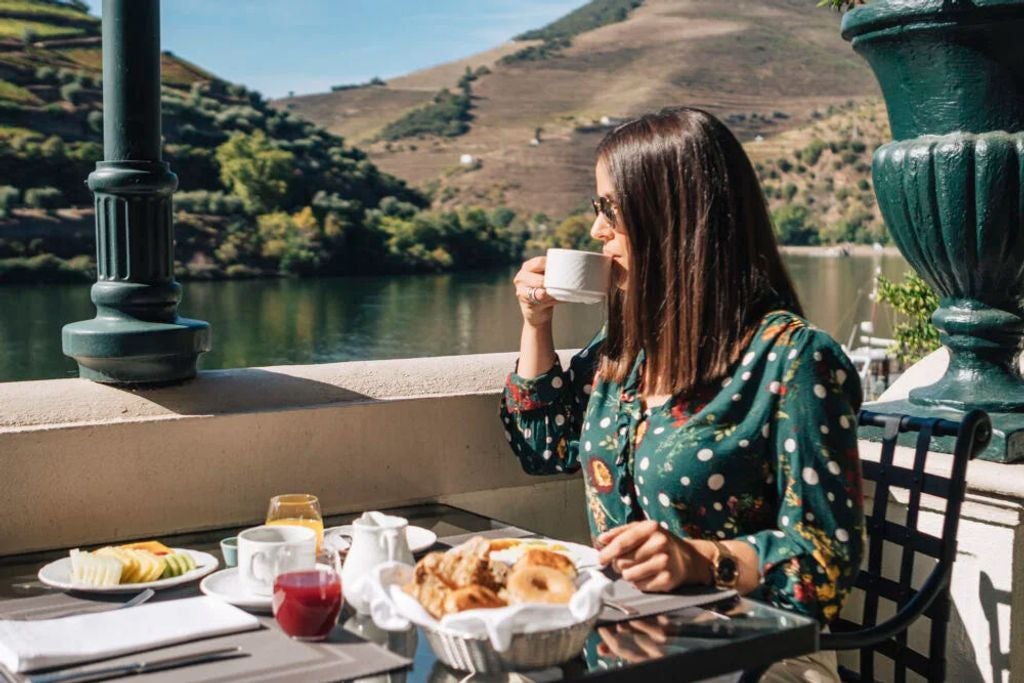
(277, 46)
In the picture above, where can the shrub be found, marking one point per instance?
(813, 151)
(53, 148)
(913, 299)
(48, 198)
(793, 225)
(785, 165)
(203, 202)
(448, 115)
(863, 185)
(72, 92)
(95, 121)
(9, 198)
(789, 191)
(46, 268)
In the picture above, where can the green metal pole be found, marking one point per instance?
(136, 336)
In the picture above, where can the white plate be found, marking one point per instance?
(584, 557)
(227, 585)
(339, 538)
(58, 575)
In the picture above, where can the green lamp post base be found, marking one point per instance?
(1006, 445)
(127, 351)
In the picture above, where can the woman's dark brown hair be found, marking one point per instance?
(704, 266)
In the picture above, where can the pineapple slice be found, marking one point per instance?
(140, 566)
(132, 566)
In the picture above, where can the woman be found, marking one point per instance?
(714, 426)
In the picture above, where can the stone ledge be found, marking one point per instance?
(49, 404)
(96, 463)
(988, 479)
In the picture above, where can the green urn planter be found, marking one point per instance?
(950, 187)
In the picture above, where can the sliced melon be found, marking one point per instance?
(94, 570)
(155, 547)
(178, 564)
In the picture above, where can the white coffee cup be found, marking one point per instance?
(266, 551)
(577, 276)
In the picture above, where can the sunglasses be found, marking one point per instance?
(604, 207)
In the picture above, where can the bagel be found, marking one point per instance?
(499, 544)
(536, 583)
(471, 597)
(539, 557)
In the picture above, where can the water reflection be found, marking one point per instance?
(277, 322)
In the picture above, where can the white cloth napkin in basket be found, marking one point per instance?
(393, 609)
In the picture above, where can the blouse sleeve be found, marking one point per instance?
(810, 561)
(542, 415)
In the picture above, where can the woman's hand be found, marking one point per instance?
(537, 306)
(652, 558)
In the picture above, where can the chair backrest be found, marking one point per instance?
(911, 599)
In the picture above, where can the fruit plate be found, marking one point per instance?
(509, 550)
(58, 575)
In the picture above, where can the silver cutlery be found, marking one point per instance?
(134, 602)
(622, 607)
(141, 667)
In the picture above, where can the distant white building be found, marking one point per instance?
(467, 160)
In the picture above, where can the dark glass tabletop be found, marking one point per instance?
(686, 645)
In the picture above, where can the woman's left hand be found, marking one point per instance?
(652, 558)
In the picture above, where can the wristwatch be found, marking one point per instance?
(725, 570)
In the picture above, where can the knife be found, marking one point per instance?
(140, 667)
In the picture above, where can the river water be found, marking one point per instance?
(277, 322)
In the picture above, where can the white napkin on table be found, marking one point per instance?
(393, 609)
(45, 643)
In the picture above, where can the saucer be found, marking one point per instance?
(226, 585)
(576, 296)
(340, 537)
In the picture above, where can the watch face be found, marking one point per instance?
(726, 571)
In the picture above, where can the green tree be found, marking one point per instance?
(793, 225)
(913, 299)
(253, 169)
(9, 198)
(574, 233)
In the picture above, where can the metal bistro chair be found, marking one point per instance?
(931, 598)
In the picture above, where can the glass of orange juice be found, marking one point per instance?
(300, 509)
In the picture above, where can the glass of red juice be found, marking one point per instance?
(307, 603)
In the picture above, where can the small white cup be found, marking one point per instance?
(266, 551)
(577, 276)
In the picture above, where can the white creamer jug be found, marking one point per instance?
(376, 538)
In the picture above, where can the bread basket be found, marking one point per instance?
(517, 637)
(538, 650)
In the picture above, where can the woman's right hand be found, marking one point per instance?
(536, 304)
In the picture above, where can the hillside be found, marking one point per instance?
(261, 191)
(766, 68)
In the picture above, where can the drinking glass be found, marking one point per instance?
(299, 509)
(307, 603)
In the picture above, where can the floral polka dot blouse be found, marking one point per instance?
(769, 456)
